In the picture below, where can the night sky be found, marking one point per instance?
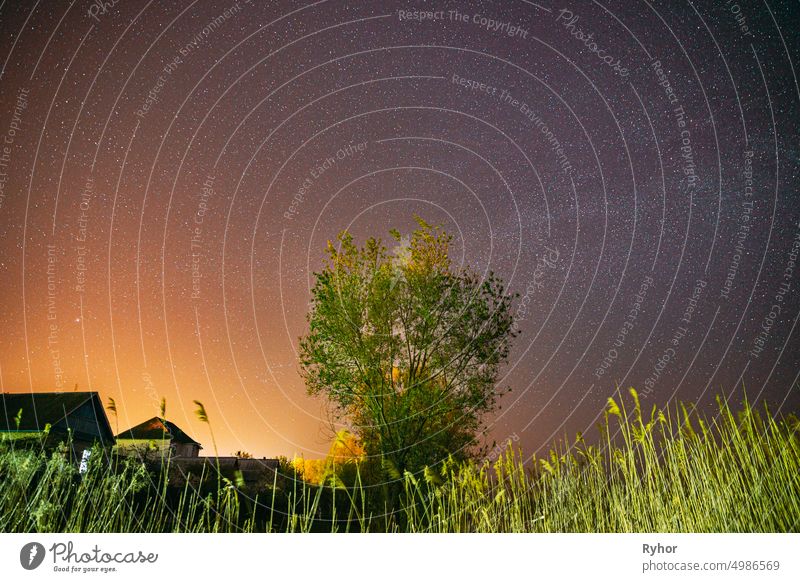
(170, 173)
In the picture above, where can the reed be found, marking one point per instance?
(650, 471)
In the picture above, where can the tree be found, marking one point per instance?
(406, 347)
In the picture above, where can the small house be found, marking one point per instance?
(158, 436)
(49, 418)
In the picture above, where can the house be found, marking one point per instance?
(160, 436)
(52, 416)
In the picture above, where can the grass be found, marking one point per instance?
(650, 471)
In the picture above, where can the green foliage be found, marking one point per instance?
(406, 347)
(656, 471)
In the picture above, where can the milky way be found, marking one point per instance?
(171, 173)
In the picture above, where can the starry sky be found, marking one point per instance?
(170, 173)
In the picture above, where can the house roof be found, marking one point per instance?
(59, 410)
(157, 429)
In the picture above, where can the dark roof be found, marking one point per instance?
(80, 411)
(157, 429)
